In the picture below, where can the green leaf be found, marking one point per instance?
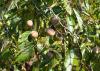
(69, 60)
(70, 24)
(13, 4)
(25, 51)
(79, 19)
(5, 54)
(57, 54)
(96, 66)
(23, 37)
(57, 9)
(22, 57)
(35, 68)
(67, 7)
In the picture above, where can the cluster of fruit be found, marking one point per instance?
(49, 31)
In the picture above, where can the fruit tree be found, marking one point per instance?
(49, 35)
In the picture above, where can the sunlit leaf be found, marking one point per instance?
(79, 19)
(67, 7)
(24, 36)
(70, 24)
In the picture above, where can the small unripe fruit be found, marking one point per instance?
(34, 34)
(50, 54)
(55, 20)
(96, 50)
(29, 23)
(50, 32)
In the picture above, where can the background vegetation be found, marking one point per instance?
(75, 45)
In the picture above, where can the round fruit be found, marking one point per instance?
(49, 54)
(50, 32)
(96, 50)
(34, 34)
(29, 23)
(55, 19)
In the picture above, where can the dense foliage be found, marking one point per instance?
(50, 35)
